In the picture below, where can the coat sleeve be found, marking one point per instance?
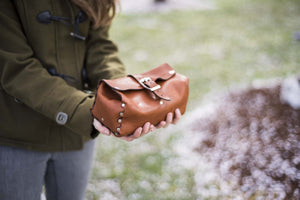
(102, 61)
(23, 77)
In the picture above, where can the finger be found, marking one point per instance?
(136, 134)
(161, 124)
(152, 127)
(102, 129)
(177, 116)
(127, 138)
(169, 119)
(146, 129)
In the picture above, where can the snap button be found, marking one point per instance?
(61, 118)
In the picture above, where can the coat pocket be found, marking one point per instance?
(20, 123)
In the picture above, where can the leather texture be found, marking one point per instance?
(127, 103)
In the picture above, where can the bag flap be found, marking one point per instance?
(162, 72)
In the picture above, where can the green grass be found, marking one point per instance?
(238, 42)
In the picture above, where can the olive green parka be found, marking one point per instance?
(45, 46)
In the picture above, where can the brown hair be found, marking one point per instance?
(101, 12)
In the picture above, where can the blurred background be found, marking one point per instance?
(239, 138)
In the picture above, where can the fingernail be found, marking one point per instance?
(152, 128)
(139, 130)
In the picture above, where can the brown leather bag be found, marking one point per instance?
(127, 103)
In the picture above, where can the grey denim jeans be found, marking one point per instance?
(64, 174)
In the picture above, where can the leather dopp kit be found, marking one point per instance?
(124, 104)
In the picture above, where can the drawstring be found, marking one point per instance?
(70, 79)
(45, 17)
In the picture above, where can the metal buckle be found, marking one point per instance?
(146, 79)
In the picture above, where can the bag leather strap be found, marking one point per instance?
(149, 84)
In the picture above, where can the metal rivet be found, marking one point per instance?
(123, 105)
(117, 134)
(121, 114)
(172, 72)
(118, 129)
(119, 121)
(102, 119)
(161, 102)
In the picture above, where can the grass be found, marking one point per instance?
(238, 42)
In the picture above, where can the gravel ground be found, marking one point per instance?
(252, 139)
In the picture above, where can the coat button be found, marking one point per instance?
(61, 118)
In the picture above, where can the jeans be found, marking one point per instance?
(64, 174)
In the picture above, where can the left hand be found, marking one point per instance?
(141, 131)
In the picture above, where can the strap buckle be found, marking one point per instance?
(143, 82)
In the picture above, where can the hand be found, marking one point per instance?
(170, 119)
(141, 131)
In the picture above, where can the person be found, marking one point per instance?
(52, 55)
